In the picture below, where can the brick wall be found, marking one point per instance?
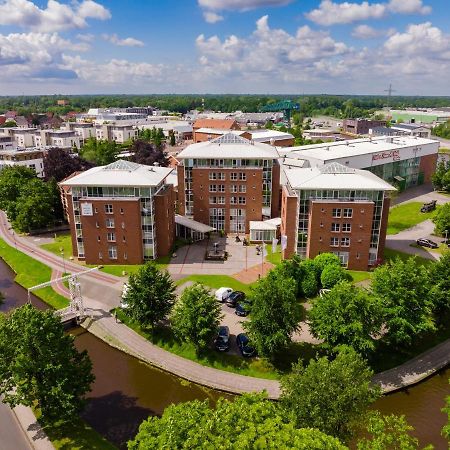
(383, 229)
(165, 221)
(288, 227)
(428, 166)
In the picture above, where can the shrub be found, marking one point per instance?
(331, 275)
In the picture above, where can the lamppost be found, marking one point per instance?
(63, 260)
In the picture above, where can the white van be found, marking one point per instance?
(223, 293)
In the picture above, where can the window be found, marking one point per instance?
(242, 188)
(125, 256)
(233, 176)
(348, 212)
(98, 238)
(111, 237)
(347, 227)
(100, 255)
(121, 210)
(108, 209)
(112, 252)
(233, 200)
(109, 223)
(213, 188)
(234, 188)
(124, 239)
(242, 200)
(243, 176)
(345, 242)
(337, 212)
(334, 242)
(221, 187)
(335, 227)
(216, 176)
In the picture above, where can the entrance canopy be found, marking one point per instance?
(192, 224)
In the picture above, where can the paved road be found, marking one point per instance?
(12, 436)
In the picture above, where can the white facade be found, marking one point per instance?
(32, 159)
(56, 138)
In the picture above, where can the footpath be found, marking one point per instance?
(102, 324)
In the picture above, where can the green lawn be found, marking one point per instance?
(62, 241)
(75, 435)
(30, 273)
(274, 258)
(254, 367)
(359, 275)
(390, 255)
(444, 150)
(405, 216)
(217, 281)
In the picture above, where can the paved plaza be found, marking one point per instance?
(190, 259)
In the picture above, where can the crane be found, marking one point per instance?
(285, 105)
(76, 306)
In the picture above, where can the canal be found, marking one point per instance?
(127, 391)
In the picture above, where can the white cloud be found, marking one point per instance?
(86, 37)
(212, 17)
(240, 5)
(55, 17)
(368, 32)
(408, 7)
(127, 42)
(331, 13)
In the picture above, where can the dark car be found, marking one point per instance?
(427, 207)
(427, 243)
(222, 341)
(234, 298)
(243, 308)
(244, 346)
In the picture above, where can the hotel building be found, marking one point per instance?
(122, 213)
(334, 208)
(228, 182)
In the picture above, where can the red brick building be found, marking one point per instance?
(228, 182)
(122, 213)
(334, 208)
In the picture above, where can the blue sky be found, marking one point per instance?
(224, 46)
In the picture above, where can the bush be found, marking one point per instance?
(324, 260)
(331, 275)
(310, 287)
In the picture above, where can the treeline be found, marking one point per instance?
(335, 105)
(442, 130)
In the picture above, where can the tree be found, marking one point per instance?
(248, 422)
(347, 315)
(100, 152)
(172, 139)
(309, 284)
(404, 288)
(324, 260)
(446, 429)
(40, 365)
(196, 317)
(442, 219)
(331, 275)
(59, 164)
(35, 206)
(276, 313)
(148, 154)
(291, 268)
(330, 395)
(150, 295)
(12, 179)
(440, 285)
(388, 433)
(438, 175)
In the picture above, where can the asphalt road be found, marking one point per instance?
(12, 436)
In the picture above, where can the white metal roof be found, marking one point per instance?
(266, 135)
(120, 173)
(262, 225)
(335, 176)
(227, 146)
(345, 149)
(192, 224)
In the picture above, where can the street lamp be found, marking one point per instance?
(64, 261)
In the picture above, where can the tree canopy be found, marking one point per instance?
(248, 422)
(100, 152)
(39, 364)
(147, 153)
(59, 164)
(442, 220)
(404, 288)
(150, 295)
(276, 313)
(347, 315)
(330, 395)
(196, 316)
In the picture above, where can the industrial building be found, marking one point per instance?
(122, 213)
(400, 160)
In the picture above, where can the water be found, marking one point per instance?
(127, 391)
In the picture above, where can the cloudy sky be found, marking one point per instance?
(224, 46)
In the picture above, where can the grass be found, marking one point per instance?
(30, 273)
(61, 241)
(274, 258)
(217, 281)
(444, 150)
(254, 367)
(441, 249)
(75, 435)
(405, 216)
(390, 255)
(359, 275)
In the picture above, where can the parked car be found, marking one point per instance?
(427, 207)
(234, 298)
(244, 346)
(222, 341)
(243, 308)
(427, 243)
(223, 293)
